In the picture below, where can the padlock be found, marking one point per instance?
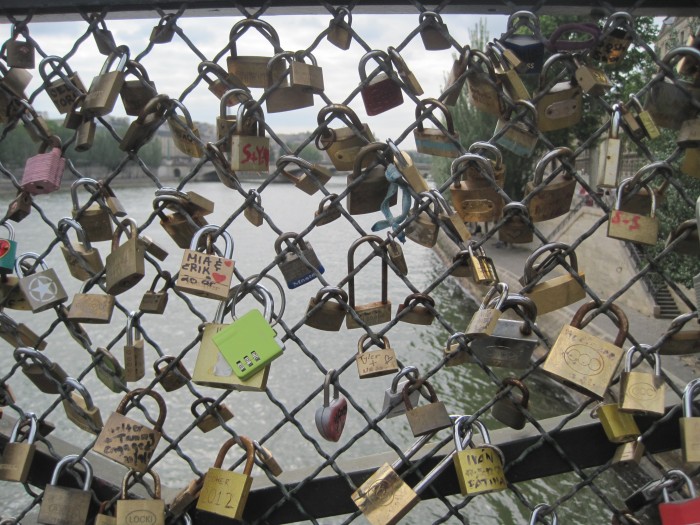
(184, 499)
(224, 492)
(46, 375)
(281, 95)
(375, 363)
(452, 221)
(375, 313)
(11, 297)
(171, 376)
(688, 65)
(330, 417)
(670, 100)
(619, 427)
(644, 120)
(512, 342)
(484, 320)
(164, 31)
(428, 418)
(433, 31)
(127, 441)
(19, 334)
(509, 408)
(642, 392)
(154, 302)
(126, 262)
(104, 515)
(43, 172)
(131, 511)
(480, 470)
(410, 81)
(17, 456)
(637, 198)
(306, 76)
(628, 454)
(610, 153)
(222, 82)
(520, 134)
(184, 132)
(135, 94)
(554, 198)
(681, 342)
(474, 263)
(142, 130)
(381, 92)
(339, 31)
(91, 308)
(250, 148)
(529, 48)
(66, 505)
(506, 73)
(252, 70)
(82, 259)
(342, 145)
(396, 256)
(104, 40)
(615, 40)
(393, 396)
(434, 141)
(250, 343)
(105, 87)
(19, 53)
(584, 362)
(20, 207)
(685, 238)
(474, 190)
(556, 293)
(538, 513)
(330, 315)
(309, 177)
(95, 220)
(592, 80)
(211, 369)
(79, 408)
(403, 162)
(297, 268)
(633, 227)
(517, 228)
(265, 456)
(75, 117)
(14, 82)
(134, 357)
(214, 415)
(690, 426)
(109, 370)
(85, 135)
(8, 250)
(42, 289)
(254, 211)
(180, 225)
(419, 309)
(35, 125)
(64, 91)
(689, 134)
(561, 105)
(221, 165)
(683, 512)
(455, 79)
(422, 227)
(485, 90)
(206, 274)
(368, 190)
(225, 122)
(690, 165)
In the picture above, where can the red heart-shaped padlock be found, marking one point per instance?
(330, 418)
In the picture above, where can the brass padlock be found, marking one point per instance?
(510, 408)
(633, 227)
(428, 418)
(404, 163)
(433, 31)
(690, 426)
(180, 225)
(325, 314)
(642, 392)
(42, 289)
(371, 313)
(554, 198)
(79, 408)
(66, 505)
(610, 153)
(220, 483)
(506, 72)
(475, 189)
(452, 221)
(164, 31)
(252, 70)
(368, 190)
(342, 145)
(629, 453)
(410, 81)
(215, 414)
(592, 80)
(585, 362)
(484, 320)
(306, 76)
(250, 148)
(109, 370)
(47, 375)
(134, 357)
(308, 177)
(619, 427)
(171, 376)
(480, 470)
(17, 457)
(105, 87)
(131, 511)
(474, 263)
(558, 292)
(95, 219)
(206, 274)
(19, 334)
(19, 53)
(328, 210)
(154, 302)
(222, 81)
(418, 309)
(281, 94)
(127, 441)
(185, 134)
(455, 79)
(254, 211)
(82, 259)
(685, 239)
(20, 207)
(91, 308)
(517, 229)
(616, 38)
(339, 31)
(561, 105)
(421, 226)
(66, 88)
(135, 94)
(265, 456)
(485, 90)
(375, 363)
(636, 198)
(645, 122)
(126, 262)
(518, 134)
(142, 130)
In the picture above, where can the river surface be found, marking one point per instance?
(293, 376)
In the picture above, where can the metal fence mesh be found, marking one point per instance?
(297, 430)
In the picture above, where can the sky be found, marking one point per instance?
(173, 66)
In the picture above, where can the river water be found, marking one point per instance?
(293, 376)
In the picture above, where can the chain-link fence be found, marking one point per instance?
(182, 350)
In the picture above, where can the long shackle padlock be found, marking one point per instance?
(371, 313)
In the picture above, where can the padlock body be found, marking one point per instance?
(103, 93)
(224, 493)
(96, 223)
(396, 398)
(479, 471)
(508, 412)
(125, 266)
(375, 363)
(43, 290)
(250, 153)
(556, 293)
(8, 254)
(91, 308)
(154, 302)
(554, 200)
(619, 427)
(295, 270)
(90, 258)
(368, 195)
(205, 275)
(127, 442)
(64, 506)
(43, 172)
(434, 142)
(561, 107)
(642, 392)
(16, 461)
(342, 148)
(428, 418)
(690, 440)
(134, 361)
(328, 317)
(371, 314)
(384, 498)
(683, 512)
(626, 226)
(87, 419)
(381, 94)
(132, 511)
(506, 347)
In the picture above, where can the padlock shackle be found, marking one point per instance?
(70, 461)
(290, 238)
(658, 165)
(63, 70)
(114, 367)
(267, 296)
(474, 54)
(415, 447)
(530, 107)
(679, 52)
(621, 190)
(518, 207)
(690, 224)
(209, 229)
(124, 407)
(283, 160)
(616, 17)
(336, 110)
(284, 55)
(177, 104)
(245, 113)
(340, 13)
(246, 445)
(549, 157)
(679, 476)
(122, 53)
(66, 224)
(127, 225)
(209, 401)
(557, 248)
(31, 256)
(138, 70)
(166, 276)
(482, 162)
(10, 230)
(131, 473)
(516, 383)
(407, 371)
(158, 105)
(235, 92)
(419, 384)
(654, 355)
(691, 390)
(361, 342)
(460, 337)
(382, 56)
(480, 146)
(532, 21)
(351, 267)
(622, 321)
(542, 509)
(332, 291)
(500, 289)
(615, 119)
(72, 384)
(264, 28)
(27, 418)
(329, 380)
(418, 298)
(130, 328)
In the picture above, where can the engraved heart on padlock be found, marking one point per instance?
(4, 247)
(330, 420)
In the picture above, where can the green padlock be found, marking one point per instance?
(8, 250)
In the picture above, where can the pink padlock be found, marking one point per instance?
(43, 172)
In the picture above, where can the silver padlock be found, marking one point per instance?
(393, 396)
